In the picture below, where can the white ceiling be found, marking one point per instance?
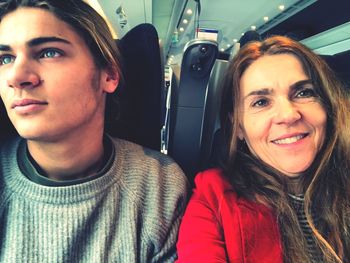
(230, 17)
(234, 17)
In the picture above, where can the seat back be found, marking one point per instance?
(139, 95)
(6, 128)
(211, 135)
(188, 103)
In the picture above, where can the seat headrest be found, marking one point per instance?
(140, 94)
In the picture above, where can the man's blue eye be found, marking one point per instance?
(6, 60)
(51, 54)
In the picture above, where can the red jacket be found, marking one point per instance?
(220, 227)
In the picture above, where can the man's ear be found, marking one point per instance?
(111, 79)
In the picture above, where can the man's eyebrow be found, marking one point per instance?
(5, 47)
(36, 42)
(42, 40)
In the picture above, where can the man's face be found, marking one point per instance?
(49, 83)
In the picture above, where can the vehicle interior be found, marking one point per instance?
(175, 53)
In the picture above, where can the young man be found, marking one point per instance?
(69, 192)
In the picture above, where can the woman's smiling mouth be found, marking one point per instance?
(290, 140)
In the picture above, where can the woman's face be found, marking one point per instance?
(282, 119)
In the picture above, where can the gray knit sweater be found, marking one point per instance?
(130, 214)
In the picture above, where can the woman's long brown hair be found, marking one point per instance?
(326, 184)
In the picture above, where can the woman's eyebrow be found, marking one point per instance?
(295, 86)
(301, 83)
(258, 92)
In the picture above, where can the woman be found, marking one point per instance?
(282, 194)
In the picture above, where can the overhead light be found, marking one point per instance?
(281, 7)
(253, 27)
(222, 49)
(185, 21)
(189, 12)
(181, 29)
(235, 40)
(266, 18)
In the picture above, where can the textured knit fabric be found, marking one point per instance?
(220, 227)
(130, 214)
(298, 205)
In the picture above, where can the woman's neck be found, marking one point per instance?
(294, 185)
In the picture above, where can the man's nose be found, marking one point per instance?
(22, 74)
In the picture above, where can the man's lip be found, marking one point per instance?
(26, 102)
(285, 136)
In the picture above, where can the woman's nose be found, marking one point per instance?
(22, 74)
(286, 112)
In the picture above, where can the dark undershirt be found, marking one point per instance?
(33, 171)
(297, 202)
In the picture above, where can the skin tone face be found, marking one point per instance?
(283, 121)
(51, 88)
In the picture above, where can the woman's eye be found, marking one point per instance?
(260, 103)
(6, 59)
(50, 53)
(306, 93)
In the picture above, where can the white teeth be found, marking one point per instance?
(289, 140)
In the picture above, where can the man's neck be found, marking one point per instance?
(67, 160)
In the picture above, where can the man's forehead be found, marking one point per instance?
(16, 30)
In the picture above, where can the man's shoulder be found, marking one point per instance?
(138, 150)
(153, 181)
(147, 167)
(133, 152)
